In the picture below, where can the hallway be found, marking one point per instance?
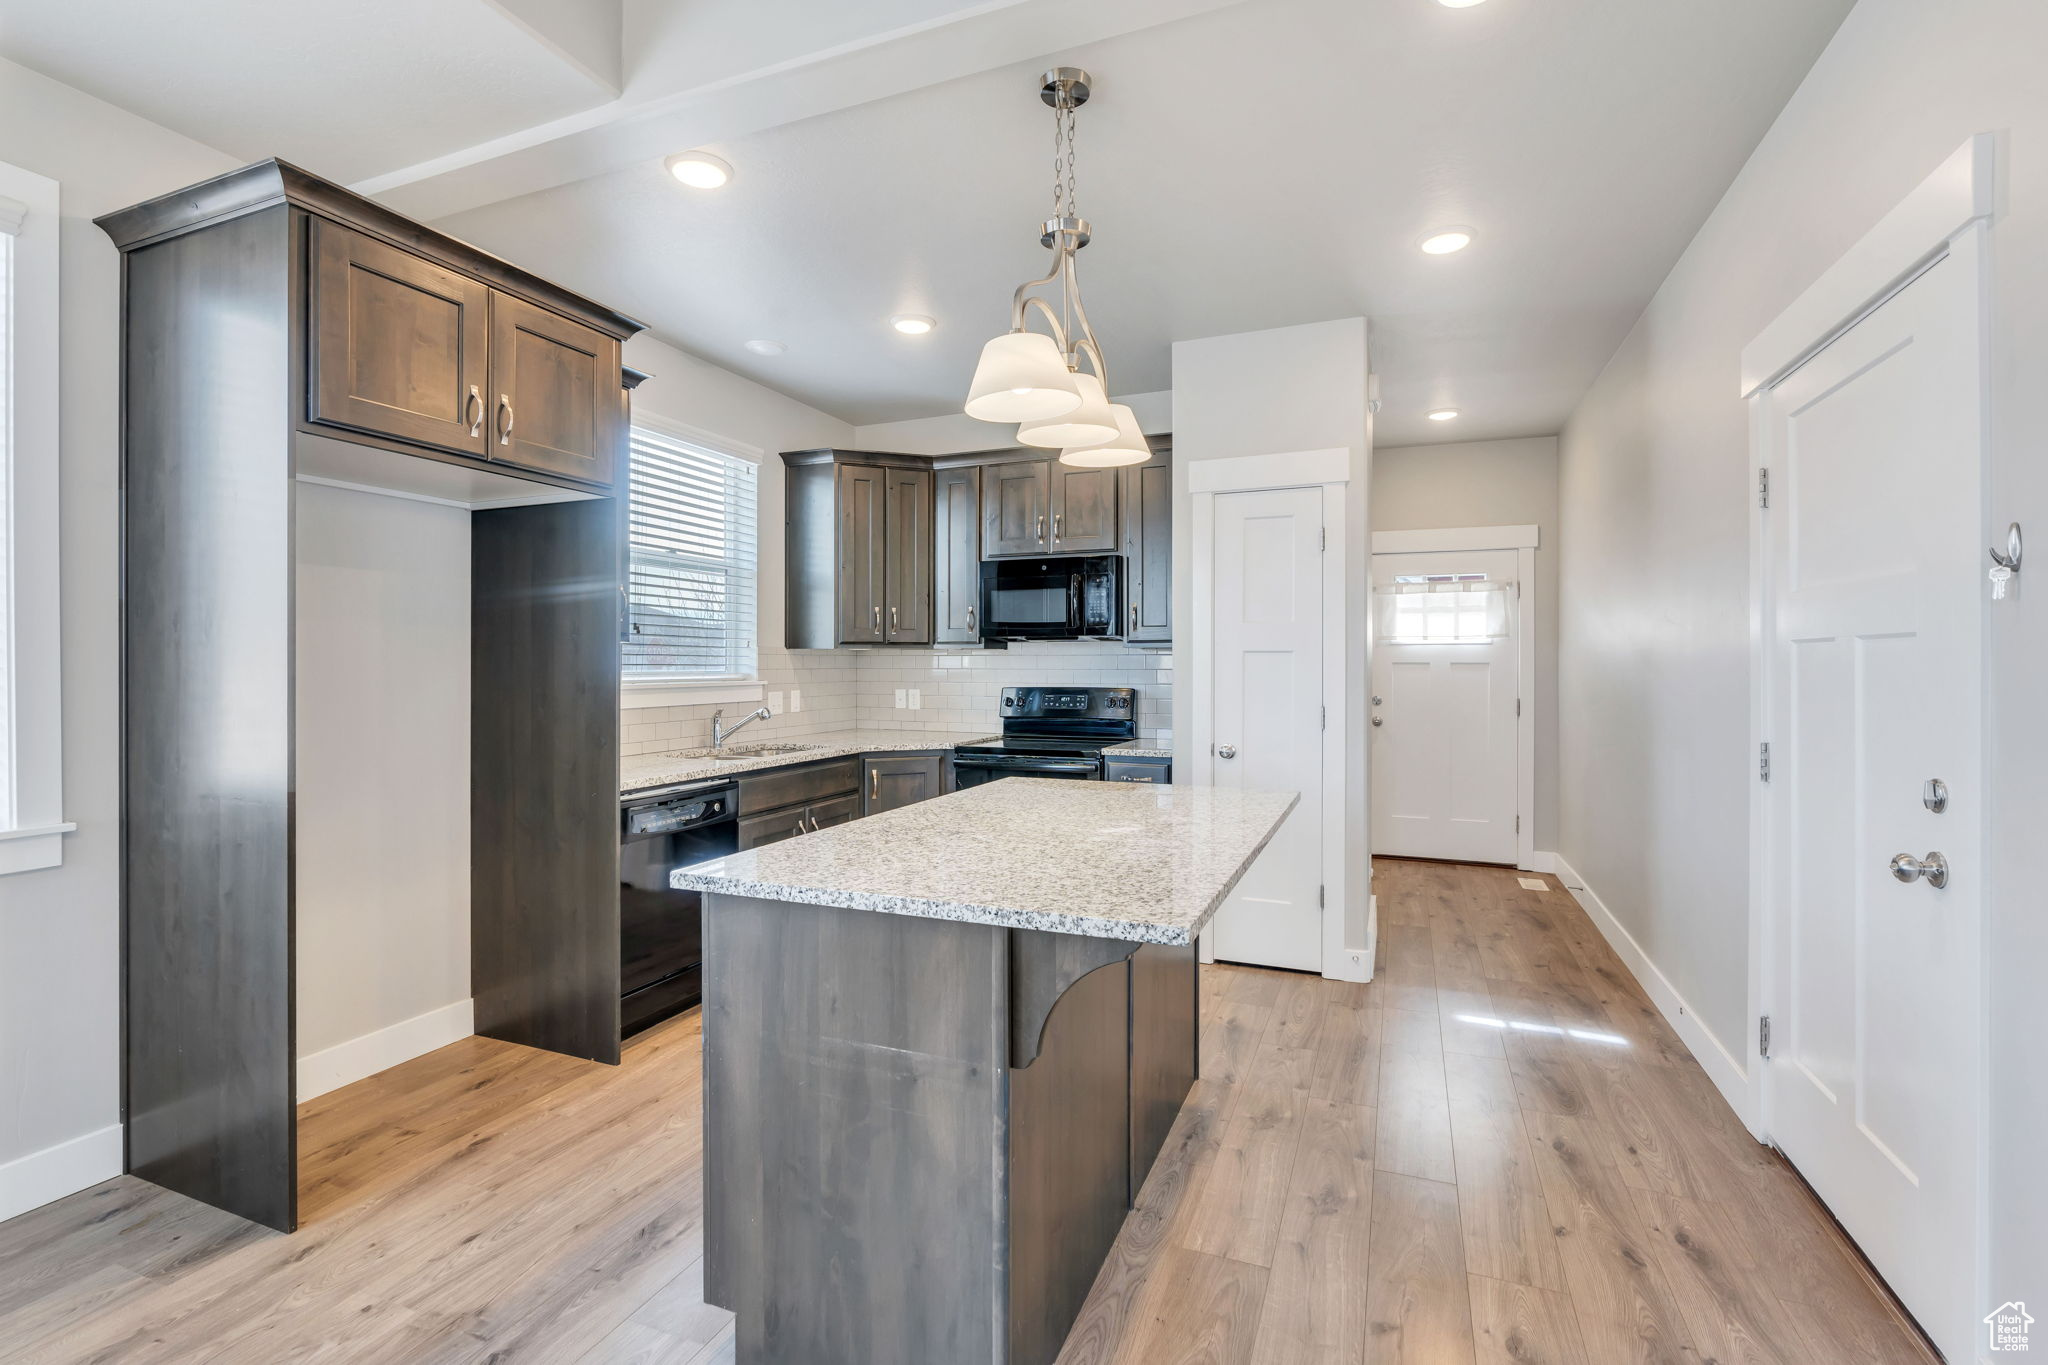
(1495, 1152)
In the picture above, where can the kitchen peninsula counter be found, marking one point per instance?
(942, 1047)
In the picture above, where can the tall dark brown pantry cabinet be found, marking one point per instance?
(279, 331)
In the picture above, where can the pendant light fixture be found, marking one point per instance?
(1036, 379)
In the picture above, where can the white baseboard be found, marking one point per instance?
(34, 1180)
(1356, 963)
(337, 1066)
(1728, 1074)
(1540, 861)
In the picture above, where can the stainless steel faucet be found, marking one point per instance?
(720, 733)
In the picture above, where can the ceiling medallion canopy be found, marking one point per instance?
(1036, 379)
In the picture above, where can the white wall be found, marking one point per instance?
(59, 928)
(381, 804)
(1257, 393)
(1489, 483)
(1655, 487)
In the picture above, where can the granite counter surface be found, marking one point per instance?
(642, 772)
(1142, 863)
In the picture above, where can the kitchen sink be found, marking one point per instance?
(733, 752)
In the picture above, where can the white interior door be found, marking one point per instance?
(1873, 536)
(1443, 721)
(1268, 714)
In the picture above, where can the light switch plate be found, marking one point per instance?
(796, 700)
(916, 699)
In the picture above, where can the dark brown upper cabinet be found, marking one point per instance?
(400, 345)
(1083, 509)
(1148, 548)
(406, 349)
(1016, 511)
(858, 541)
(863, 554)
(956, 555)
(554, 387)
(907, 537)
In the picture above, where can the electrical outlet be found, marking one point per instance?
(774, 703)
(902, 698)
(796, 700)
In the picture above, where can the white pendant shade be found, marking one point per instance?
(1022, 378)
(1088, 425)
(1126, 447)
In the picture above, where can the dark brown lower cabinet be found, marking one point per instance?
(901, 780)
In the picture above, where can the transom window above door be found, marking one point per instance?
(1441, 609)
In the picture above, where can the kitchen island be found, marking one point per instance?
(942, 1047)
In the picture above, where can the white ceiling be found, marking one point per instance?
(1245, 165)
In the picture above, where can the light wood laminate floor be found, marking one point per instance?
(1495, 1152)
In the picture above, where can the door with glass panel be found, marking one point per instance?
(1445, 688)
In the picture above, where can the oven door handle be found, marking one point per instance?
(1040, 765)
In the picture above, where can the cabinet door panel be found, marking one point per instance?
(863, 558)
(398, 343)
(1083, 509)
(908, 585)
(1014, 512)
(1148, 545)
(772, 828)
(956, 556)
(901, 780)
(838, 811)
(554, 393)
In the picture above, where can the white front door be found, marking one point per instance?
(1268, 714)
(1442, 715)
(1874, 550)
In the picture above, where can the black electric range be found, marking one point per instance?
(1051, 732)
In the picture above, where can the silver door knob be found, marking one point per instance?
(1227, 751)
(1933, 869)
(1379, 720)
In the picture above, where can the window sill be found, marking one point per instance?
(29, 850)
(639, 693)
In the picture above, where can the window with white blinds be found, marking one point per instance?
(692, 515)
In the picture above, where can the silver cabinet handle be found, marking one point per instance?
(474, 404)
(1041, 526)
(875, 785)
(893, 626)
(1227, 751)
(970, 618)
(878, 619)
(1057, 519)
(505, 420)
(1134, 616)
(1379, 720)
(1933, 869)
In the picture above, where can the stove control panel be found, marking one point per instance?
(1078, 703)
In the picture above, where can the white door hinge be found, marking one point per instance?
(1518, 824)
(1326, 718)
(1518, 706)
(1324, 538)
(1763, 761)
(1763, 1035)
(1763, 488)
(1321, 897)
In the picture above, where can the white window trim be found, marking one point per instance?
(643, 693)
(32, 824)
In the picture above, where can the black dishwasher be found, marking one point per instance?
(661, 931)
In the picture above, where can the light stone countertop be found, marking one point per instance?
(1137, 748)
(641, 772)
(1145, 863)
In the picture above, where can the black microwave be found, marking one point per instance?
(1074, 598)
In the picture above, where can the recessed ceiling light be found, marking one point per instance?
(912, 324)
(699, 170)
(1443, 414)
(1445, 240)
(1460, 4)
(766, 347)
